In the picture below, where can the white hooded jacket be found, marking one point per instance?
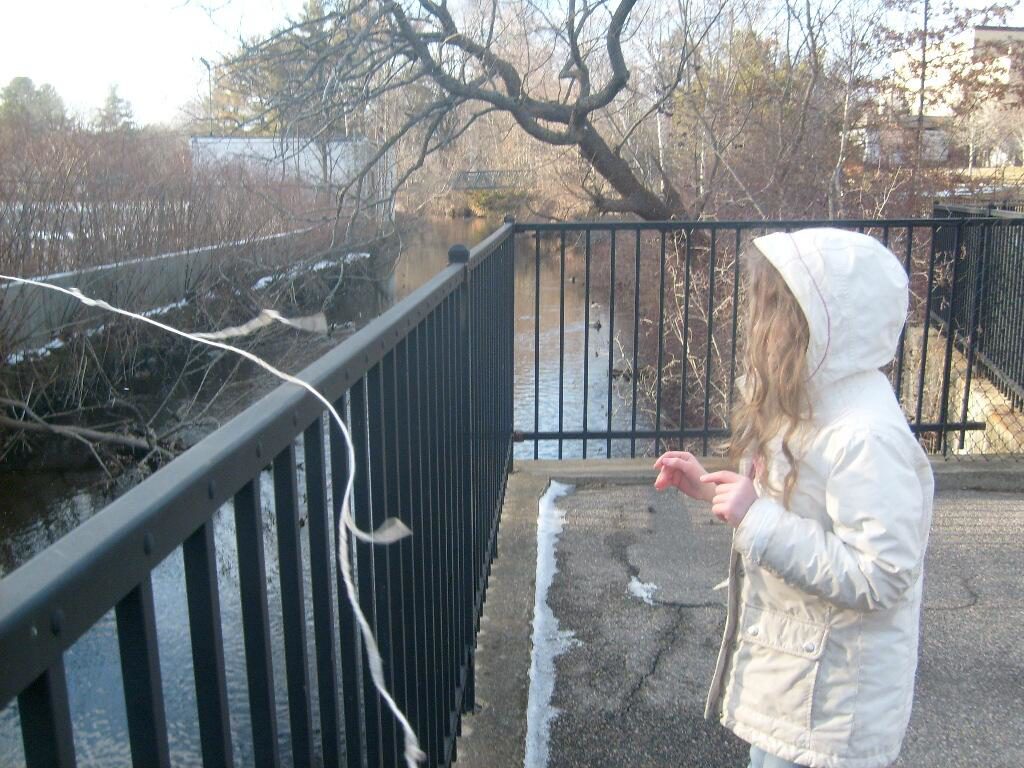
(819, 655)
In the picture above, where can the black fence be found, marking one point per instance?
(988, 293)
(591, 338)
(426, 390)
(634, 332)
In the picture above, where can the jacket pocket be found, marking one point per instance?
(776, 666)
(782, 632)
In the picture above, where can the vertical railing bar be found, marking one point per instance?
(350, 662)
(925, 326)
(463, 530)
(455, 500)
(207, 646)
(419, 517)
(611, 341)
(439, 570)
(536, 345)
(976, 330)
(1015, 331)
(252, 585)
(379, 510)
(481, 380)
(428, 516)
(996, 316)
(586, 335)
(452, 664)
(661, 345)
(710, 337)
(685, 354)
(392, 481)
(46, 729)
(364, 567)
(293, 613)
(406, 473)
(452, 625)
(464, 333)
(735, 323)
(561, 340)
(140, 674)
(636, 344)
(947, 369)
(908, 266)
(320, 583)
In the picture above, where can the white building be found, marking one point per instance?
(970, 84)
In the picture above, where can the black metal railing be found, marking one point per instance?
(633, 330)
(988, 294)
(608, 338)
(426, 390)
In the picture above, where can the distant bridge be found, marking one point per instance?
(495, 178)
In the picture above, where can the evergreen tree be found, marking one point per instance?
(115, 114)
(20, 99)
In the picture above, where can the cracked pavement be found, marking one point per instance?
(631, 690)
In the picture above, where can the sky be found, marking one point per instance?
(149, 49)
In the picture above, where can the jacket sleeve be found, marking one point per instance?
(879, 528)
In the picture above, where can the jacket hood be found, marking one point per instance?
(853, 292)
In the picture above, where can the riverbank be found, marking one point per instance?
(41, 504)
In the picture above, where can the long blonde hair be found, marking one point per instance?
(776, 402)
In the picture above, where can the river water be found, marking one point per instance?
(39, 508)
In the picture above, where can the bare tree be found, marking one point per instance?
(424, 73)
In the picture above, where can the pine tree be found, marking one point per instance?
(115, 114)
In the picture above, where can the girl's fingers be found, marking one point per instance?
(722, 476)
(676, 455)
(673, 461)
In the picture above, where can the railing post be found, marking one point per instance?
(459, 254)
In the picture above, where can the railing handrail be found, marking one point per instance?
(54, 598)
(696, 224)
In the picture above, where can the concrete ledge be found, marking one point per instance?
(1004, 473)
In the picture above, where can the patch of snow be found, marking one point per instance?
(57, 343)
(297, 270)
(642, 591)
(157, 311)
(43, 351)
(263, 282)
(549, 641)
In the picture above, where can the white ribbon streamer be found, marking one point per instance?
(313, 323)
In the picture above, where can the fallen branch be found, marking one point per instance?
(76, 433)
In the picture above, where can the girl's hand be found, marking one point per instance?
(681, 470)
(732, 496)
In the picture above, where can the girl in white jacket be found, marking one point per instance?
(830, 509)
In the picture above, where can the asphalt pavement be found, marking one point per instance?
(634, 587)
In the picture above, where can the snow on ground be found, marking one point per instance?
(549, 641)
(642, 591)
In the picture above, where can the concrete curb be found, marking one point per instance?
(1002, 474)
